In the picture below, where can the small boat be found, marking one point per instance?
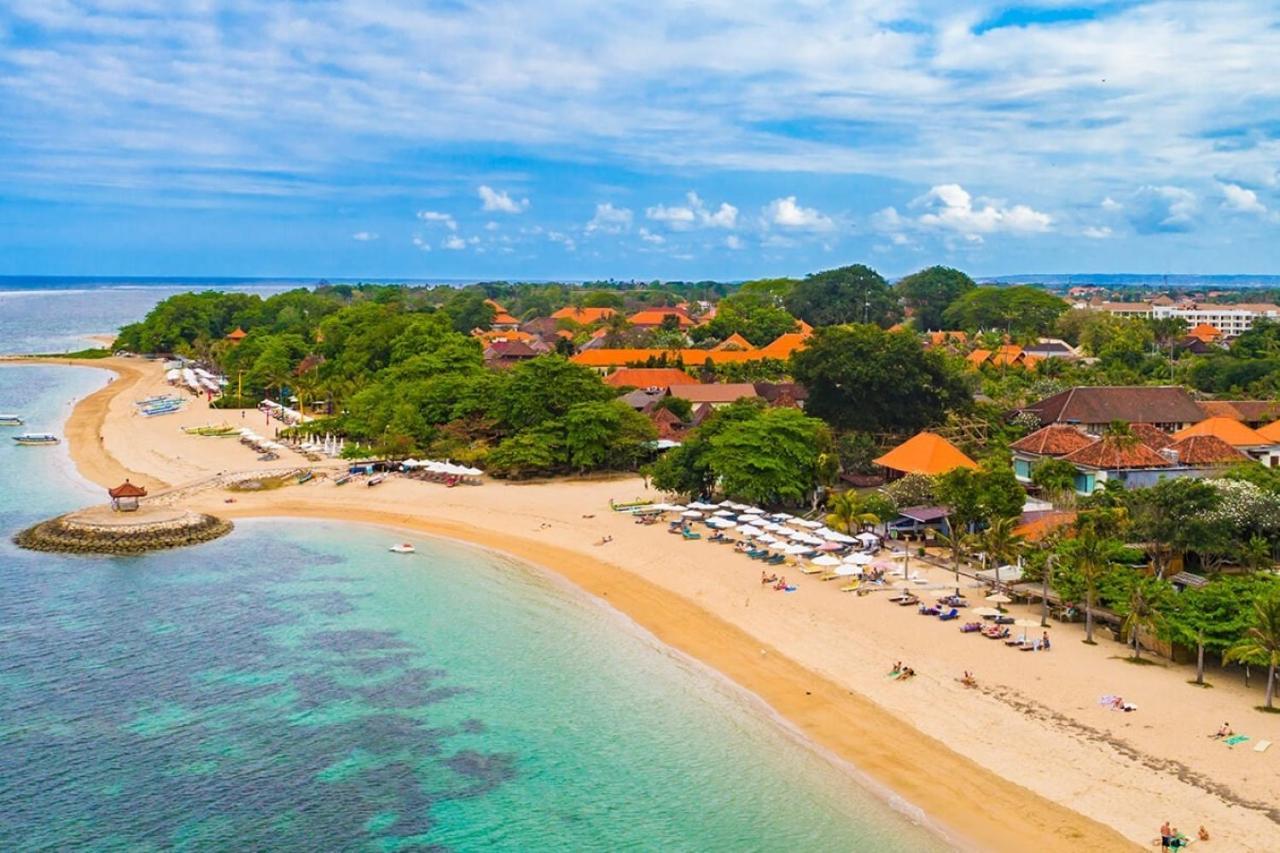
(10, 420)
(402, 548)
(36, 439)
(304, 477)
(373, 481)
(343, 480)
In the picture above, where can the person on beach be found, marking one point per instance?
(969, 680)
(1166, 835)
(1203, 835)
(897, 668)
(1045, 642)
(1224, 731)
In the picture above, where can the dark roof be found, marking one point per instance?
(668, 423)
(1206, 450)
(543, 326)
(925, 514)
(714, 392)
(127, 490)
(640, 398)
(773, 391)
(1245, 411)
(1109, 454)
(1053, 440)
(510, 349)
(701, 411)
(1165, 404)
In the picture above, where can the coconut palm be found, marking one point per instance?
(1001, 544)
(846, 513)
(1091, 559)
(1143, 611)
(1261, 643)
(960, 544)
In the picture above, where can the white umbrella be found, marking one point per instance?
(692, 513)
(985, 611)
(795, 549)
(722, 512)
(812, 525)
(825, 560)
(859, 559)
(748, 530)
(782, 516)
(1001, 598)
(867, 537)
(808, 540)
(795, 534)
(766, 539)
(846, 571)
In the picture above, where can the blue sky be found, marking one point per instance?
(722, 139)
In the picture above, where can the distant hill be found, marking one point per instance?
(1197, 282)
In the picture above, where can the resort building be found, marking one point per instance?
(237, 335)
(1229, 320)
(604, 359)
(584, 316)
(124, 497)
(654, 318)
(1253, 413)
(1008, 355)
(716, 394)
(501, 319)
(734, 342)
(648, 377)
(1093, 408)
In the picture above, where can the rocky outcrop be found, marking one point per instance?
(75, 534)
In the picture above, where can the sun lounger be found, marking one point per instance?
(853, 587)
(689, 534)
(952, 614)
(776, 559)
(909, 601)
(811, 570)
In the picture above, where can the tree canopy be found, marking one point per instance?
(852, 294)
(930, 292)
(1019, 310)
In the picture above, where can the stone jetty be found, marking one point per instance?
(100, 530)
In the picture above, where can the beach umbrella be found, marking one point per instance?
(748, 530)
(985, 611)
(825, 560)
(782, 516)
(691, 513)
(795, 549)
(1027, 623)
(722, 512)
(859, 559)
(812, 525)
(830, 546)
(1001, 598)
(845, 571)
(767, 539)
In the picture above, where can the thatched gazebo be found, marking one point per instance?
(124, 497)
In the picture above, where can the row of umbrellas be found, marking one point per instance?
(448, 468)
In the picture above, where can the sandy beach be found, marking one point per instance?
(1028, 760)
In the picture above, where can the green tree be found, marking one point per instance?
(774, 288)
(846, 512)
(468, 309)
(1000, 543)
(930, 292)
(863, 378)
(1171, 517)
(756, 317)
(1143, 611)
(1090, 556)
(1261, 643)
(1212, 617)
(1020, 310)
(686, 470)
(773, 458)
(1056, 478)
(852, 294)
(608, 433)
(531, 452)
(544, 389)
(912, 490)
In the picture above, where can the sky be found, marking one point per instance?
(724, 139)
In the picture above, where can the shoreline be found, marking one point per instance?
(933, 752)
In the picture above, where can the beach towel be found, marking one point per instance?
(1235, 739)
(790, 589)
(1262, 746)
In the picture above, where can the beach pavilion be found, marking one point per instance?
(925, 453)
(124, 497)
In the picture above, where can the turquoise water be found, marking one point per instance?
(296, 687)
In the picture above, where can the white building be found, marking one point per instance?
(1231, 320)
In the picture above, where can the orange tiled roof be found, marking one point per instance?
(1045, 523)
(1206, 450)
(925, 453)
(1151, 435)
(783, 347)
(1229, 430)
(585, 316)
(1271, 432)
(1053, 440)
(655, 317)
(649, 377)
(978, 356)
(237, 335)
(693, 357)
(1206, 333)
(1110, 453)
(734, 341)
(499, 335)
(939, 338)
(805, 330)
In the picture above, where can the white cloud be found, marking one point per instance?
(786, 213)
(421, 243)
(563, 239)
(649, 237)
(454, 242)
(1098, 232)
(436, 217)
(1111, 205)
(950, 207)
(500, 202)
(733, 241)
(364, 236)
(1162, 210)
(609, 219)
(694, 213)
(1241, 199)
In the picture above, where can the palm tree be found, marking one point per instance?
(845, 513)
(960, 544)
(1261, 643)
(1142, 611)
(1001, 544)
(1093, 563)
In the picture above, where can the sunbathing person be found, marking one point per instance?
(1224, 731)
(782, 583)
(907, 672)
(897, 668)
(767, 579)
(969, 680)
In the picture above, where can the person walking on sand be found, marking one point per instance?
(1166, 835)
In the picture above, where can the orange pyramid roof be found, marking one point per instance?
(1229, 430)
(585, 316)
(1205, 332)
(925, 453)
(805, 329)
(783, 346)
(238, 335)
(1271, 432)
(734, 341)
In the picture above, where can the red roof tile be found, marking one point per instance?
(1053, 440)
(1110, 453)
(1206, 450)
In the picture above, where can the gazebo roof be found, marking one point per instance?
(127, 490)
(925, 453)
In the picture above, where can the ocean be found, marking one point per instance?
(294, 686)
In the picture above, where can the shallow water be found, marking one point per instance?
(296, 686)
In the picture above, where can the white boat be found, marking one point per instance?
(376, 479)
(10, 420)
(34, 439)
(402, 548)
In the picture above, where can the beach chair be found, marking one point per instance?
(776, 559)
(689, 534)
(810, 570)
(948, 616)
(853, 587)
